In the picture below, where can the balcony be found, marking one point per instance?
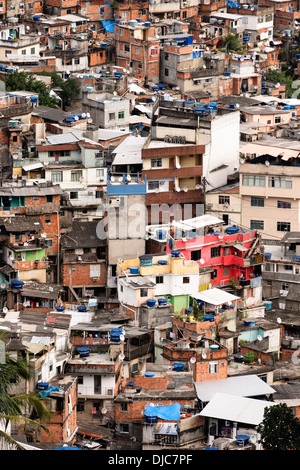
(122, 187)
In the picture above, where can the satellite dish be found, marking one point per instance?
(84, 115)
(44, 235)
(221, 236)
(76, 118)
(81, 178)
(104, 411)
(185, 190)
(259, 337)
(122, 337)
(202, 261)
(112, 179)
(178, 166)
(156, 190)
(11, 257)
(88, 115)
(278, 320)
(46, 163)
(193, 360)
(90, 120)
(120, 179)
(203, 355)
(242, 160)
(128, 177)
(152, 404)
(3, 286)
(15, 176)
(121, 357)
(5, 309)
(178, 190)
(267, 163)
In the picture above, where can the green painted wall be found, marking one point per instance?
(179, 302)
(36, 254)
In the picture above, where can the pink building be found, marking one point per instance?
(233, 255)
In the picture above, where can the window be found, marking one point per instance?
(154, 51)
(121, 115)
(288, 267)
(283, 226)
(166, 72)
(225, 200)
(123, 406)
(49, 242)
(254, 180)
(256, 224)
(156, 162)
(196, 255)
(47, 218)
(283, 205)
(124, 427)
(257, 201)
(32, 51)
(7, 53)
(144, 292)
(24, 52)
(56, 176)
(159, 279)
(76, 175)
(186, 280)
(100, 173)
(152, 185)
(49, 198)
(112, 116)
(215, 252)
(99, 194)
(213, 367)
(126, 48)
(285, 286)
(137, 50)
(80, 379)
(283, 182)
(74, 195)
(80, 406)
(77, 61)
(166, 56)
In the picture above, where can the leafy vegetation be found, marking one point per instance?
(280, 429)
(25, 408)
(19, 81)
(284, 77)
(232, 43)
(67, 89)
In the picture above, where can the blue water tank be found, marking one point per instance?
(162, 301)
(83, 351)
(268, 255)
(134, 270)
(81, 308)
(162, 262)
(43, 385)
(161, 234)
(175, 254)
(178, 366)
(149, 374)
(231, 230)
(15, 284)
(60, 309)
(151, 302)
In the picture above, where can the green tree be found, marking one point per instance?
(66, 89)
(18, 81)
(284, 77)
(232, 43)
(25, 408)
(280, 429)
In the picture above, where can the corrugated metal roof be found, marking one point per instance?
(67, 138)
(235, 408)
(244, 386)
(215, 296)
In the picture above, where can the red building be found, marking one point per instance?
(234, 255)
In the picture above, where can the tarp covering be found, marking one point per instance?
(109, 26)
(170, 413)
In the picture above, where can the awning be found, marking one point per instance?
(32, 166)
(238, 409)
(243, 386)
(215, 296)
(34, 348)
(258, 149)
(240, 247)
